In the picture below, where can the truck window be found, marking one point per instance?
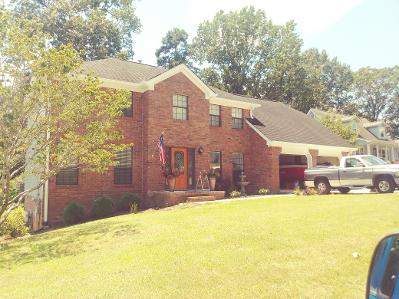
(353, 162)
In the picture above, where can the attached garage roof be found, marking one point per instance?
(279, 122)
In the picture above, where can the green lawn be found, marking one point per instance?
(287, 247)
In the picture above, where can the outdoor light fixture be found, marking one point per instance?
(200, 150)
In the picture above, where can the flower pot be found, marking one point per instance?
(171, 183)
(212, 183)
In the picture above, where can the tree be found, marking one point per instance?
(96, 29)
(50, 116)
(336, 125)
(328, 81)
(174, 49)
(375, 91)
(246, 53)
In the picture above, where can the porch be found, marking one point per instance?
(162, 199)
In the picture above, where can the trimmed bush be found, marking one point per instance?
(15, 225)
(102, 207)
(263, 191)
(74, 213)
(235, 193)
(128, 201)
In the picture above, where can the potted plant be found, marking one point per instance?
(170, 176)
(212, 176)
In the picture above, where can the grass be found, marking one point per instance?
(286, 247)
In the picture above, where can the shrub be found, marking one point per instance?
(310, 191)
(127, 201)
(15, 225)
(74, 213)
(235, 193)
(263, 191)
(102, 207)
(297, 191)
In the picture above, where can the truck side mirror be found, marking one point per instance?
(383, 278)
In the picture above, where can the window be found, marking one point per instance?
(353, 162)
(67, 176)
(214, 112)
(236, 114)
(238, 166)
(180, 107)
(128, 112)
(216, 162)
(123, 170)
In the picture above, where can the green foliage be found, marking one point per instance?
(102, 207)
(96, 29)
(48, 106)
(377, 95)
(128, 201)
(235, 193)
(263, 191)
(308, 191)
(174, 49)
(336, 125)
(73, 213)
(15, 225)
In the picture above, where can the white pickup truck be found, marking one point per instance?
(354, 171)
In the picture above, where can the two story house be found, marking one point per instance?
(373, 138)
(202, 126)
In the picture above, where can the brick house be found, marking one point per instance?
(203, 127)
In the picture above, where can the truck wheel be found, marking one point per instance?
(344, 190)
(323, 186)
(385, 184)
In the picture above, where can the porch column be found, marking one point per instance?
(378, 150)
(386, 152)
(393, 154)
(368, 151)
(313, 154)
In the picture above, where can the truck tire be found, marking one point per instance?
(323, 186)
(385, 184)
(344, 190)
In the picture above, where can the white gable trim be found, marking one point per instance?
(181, 68)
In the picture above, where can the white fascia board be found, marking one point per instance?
(181, 68)
(303, 149)
(233, 103)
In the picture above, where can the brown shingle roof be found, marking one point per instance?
(116, 69)
(279, 122)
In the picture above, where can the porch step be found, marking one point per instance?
(200, 198)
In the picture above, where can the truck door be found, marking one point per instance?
(353, 173)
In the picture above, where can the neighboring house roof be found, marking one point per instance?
(280, 122)
(363, 123)
(121, 70)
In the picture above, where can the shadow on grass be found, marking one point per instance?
(70, 241)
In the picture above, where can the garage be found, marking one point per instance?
(292, 169)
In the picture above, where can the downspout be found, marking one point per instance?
(142, 145)
(46, 183)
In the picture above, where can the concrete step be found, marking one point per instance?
(200, 198)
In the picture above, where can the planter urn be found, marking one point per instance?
(212, 183)
(171, 183)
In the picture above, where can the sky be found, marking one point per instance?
(359, 32)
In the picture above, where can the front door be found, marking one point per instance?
(179, 161)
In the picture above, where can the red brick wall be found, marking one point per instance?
(94, 184)
(152, 115)
(265, 167)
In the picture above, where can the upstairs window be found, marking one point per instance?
(67, 176)
(128, 111)
(123, 169)
(180, 107)
(236, 114)
(214, 112)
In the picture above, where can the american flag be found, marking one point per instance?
(161, 147)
